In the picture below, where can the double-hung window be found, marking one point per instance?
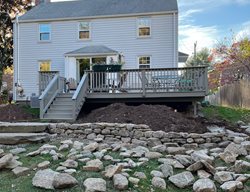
(45, 65)
(84, 30)
(144, 62)
(44, 32)
(144, 27)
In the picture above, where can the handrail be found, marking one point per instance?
(79, 96)
(49, 95)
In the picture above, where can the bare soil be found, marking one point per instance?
(13, 113)
(158, 117)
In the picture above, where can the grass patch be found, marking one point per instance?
(225, 113)
(34, 112)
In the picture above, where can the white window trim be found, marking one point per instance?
(138, 60)
(44, 60)
(39, 33)
(78, 31)
(137, 28)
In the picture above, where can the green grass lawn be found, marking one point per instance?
(11, 183)
(225, 113)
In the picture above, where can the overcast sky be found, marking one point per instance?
(209, 21)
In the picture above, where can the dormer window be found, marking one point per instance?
(44, 32)
(84, 30)
(144, 27)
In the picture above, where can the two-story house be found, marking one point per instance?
(70, 37)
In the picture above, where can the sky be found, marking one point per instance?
(210, 21)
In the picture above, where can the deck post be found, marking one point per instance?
(195, 113)
(143, 83)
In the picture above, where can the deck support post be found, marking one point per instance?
(195, 108)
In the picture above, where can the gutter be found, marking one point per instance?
(98, 17)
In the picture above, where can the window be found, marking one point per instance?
(144, 27)
(44, 65)
(84, 30)
(144, 62)
(44, 32)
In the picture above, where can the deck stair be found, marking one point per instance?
(61, 108)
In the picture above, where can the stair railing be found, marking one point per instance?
(49, 94)
(80, 95)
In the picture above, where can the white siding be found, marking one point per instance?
(119, 34)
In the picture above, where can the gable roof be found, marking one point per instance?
(182, 57)
(97, 8)
(92, 50)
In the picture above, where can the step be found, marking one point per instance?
(24, 127)
(58, 115)
(63, 99)
(61, 107)
(60, 110)
(65, 96)
(19, 138)
(60, 102)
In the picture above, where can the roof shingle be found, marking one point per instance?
(95, 8)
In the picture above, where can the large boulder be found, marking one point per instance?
(95, 185)
(18, 138)
(44, 179)
(64, 180)
(182, 180)
(204, 185)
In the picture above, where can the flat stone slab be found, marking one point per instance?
(23, 127)
(18, 138)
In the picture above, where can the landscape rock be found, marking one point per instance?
(140, 175)
(159, 183)
(155, 173)
(167, 170)
(120, 182)
(91, 147)
(43, 165)
(176, 150)
(201, 155)
(223, 176)
(17, 151)
(153, 155)
(134, 180)
(182, 180)
(232, 186)
(202, 174)
(241, 166)
(20, 171)
(204, 185)
(64, 180)
(93, 165)
(111, 170)
(69, 163)
(95, 185)
(5, 160)
(44, 179)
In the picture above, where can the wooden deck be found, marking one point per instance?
(170, 84)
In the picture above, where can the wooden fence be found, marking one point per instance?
(236, 94)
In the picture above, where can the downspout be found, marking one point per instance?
(16, 48)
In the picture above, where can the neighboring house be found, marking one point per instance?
(70, 37)
(183, 57)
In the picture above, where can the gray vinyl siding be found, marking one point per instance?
(119, 34)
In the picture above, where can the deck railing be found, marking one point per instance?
(49, 94)
(44, 79)
(80, 95)
(190, 79)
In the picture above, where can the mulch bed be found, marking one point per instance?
(13, 113)
(158, 117)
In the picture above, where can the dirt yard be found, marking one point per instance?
(13, 113)
(158, 117)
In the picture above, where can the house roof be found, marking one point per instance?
(182, 57)
(96, 8)
(92, 50)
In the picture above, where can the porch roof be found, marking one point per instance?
(92, 50)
